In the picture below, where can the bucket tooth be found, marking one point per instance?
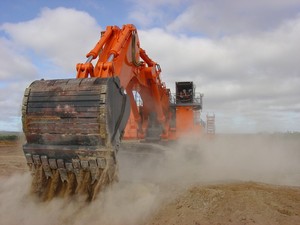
(69, 167)
(101, 162)
(93, 169)
(76, 166)
(60, 163)
(36, 160)
(46, 166)
(63, 174)
(62, 170)
(76, 163)
(29, 158)
(84, 165)
(52, 163)
(30, 162)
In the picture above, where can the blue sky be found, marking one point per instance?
(243, 55)
(22, 10)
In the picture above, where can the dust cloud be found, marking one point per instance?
(261, 158)
(121, 204)
(146, 182)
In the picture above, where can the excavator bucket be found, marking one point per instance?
(73, 129)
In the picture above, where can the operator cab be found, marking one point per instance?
(186, 96)
(184, 92)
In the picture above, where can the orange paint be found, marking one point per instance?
(118, 53)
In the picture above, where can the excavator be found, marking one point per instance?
(74, 127)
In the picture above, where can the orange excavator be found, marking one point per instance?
(74, 127)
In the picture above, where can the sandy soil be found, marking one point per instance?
(210, 186)
(234, 203)
(12, 159)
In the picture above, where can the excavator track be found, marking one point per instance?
(73, 129)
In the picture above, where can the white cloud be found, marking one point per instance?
(213, 18)
(154, 12)
(14, 66)
(250, 79)
(11, 96)
(60, 36)
(253, 77)
(220, 18)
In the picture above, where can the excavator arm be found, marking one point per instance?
(73, 127)
(119, 53)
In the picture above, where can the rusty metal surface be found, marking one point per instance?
(65, 111)
(73, 126)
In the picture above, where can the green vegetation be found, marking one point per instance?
(8, 137)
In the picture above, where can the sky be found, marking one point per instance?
(243, 55)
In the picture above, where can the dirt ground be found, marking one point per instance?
(233, 203)
(232, 190)
(12, 159)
